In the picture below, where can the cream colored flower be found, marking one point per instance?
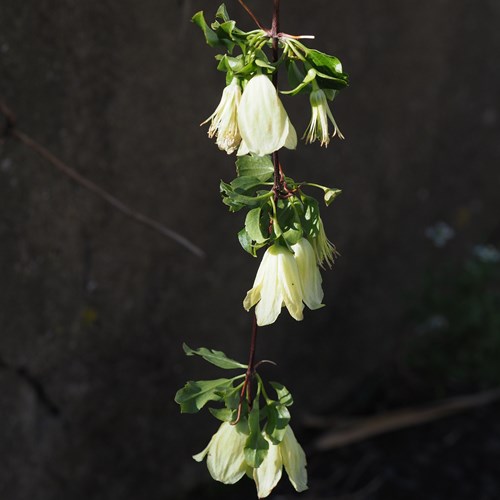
(285, 279)
(224, 123)
(289, 454)
(225, 456)
(323, 248)
(263, 122)
(320, 113)
(277, 283)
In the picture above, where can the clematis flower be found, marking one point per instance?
(225, 456)
(323, 248)
(320, 113)
(289, 454)
(285, 279)
(224, 123)
(277, 283)
(263, 122)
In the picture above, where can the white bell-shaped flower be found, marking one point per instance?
(225, 455)
(263, 122)
(285, 279)
(289, 454)
(224, 122)
(276, 284)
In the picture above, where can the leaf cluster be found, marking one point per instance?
(307, 68)
(286, 219)
(264, 421)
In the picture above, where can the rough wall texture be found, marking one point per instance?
(93, 308)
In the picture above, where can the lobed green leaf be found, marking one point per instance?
(210, 35)
(328, 68)
(217, 358)
(197, 393)
(284, 396)
(223, 414)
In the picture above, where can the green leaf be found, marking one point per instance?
(232, 399)
(294, 73)
(324, 62)
(246, 242)
(210, 35)
(236, 194)
(330, 195)
(276, 228)
(224, 32)
(329, 69)
(217, 358)
(223, 414)
(284, 396)
(197, 393)
(244, 184)
(310, 222)
(260, 167)
(222, 13)
(264, 64)
(256, 446)
(292, 236)
(310, 76)
(278, 417)
(252, 225)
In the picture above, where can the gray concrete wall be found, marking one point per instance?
(94, 308)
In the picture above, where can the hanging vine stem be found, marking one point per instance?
(278, 188)
(275, 27)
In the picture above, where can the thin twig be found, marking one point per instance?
(10, 130)
(361, 429)
(251, 14)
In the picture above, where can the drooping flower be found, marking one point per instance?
(224, 122)
(277, 283)
(320, 113)
(285, 279)
(225, 455)
(289, 454)
(263, 122)
(226, 460)
(323, 248)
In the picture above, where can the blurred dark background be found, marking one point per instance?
(94, 307)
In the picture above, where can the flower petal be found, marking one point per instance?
(267, 476)
(226, 459)
(294, 460)
(290, 284)
(262, 120)
(310, 277)
(271, 296)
